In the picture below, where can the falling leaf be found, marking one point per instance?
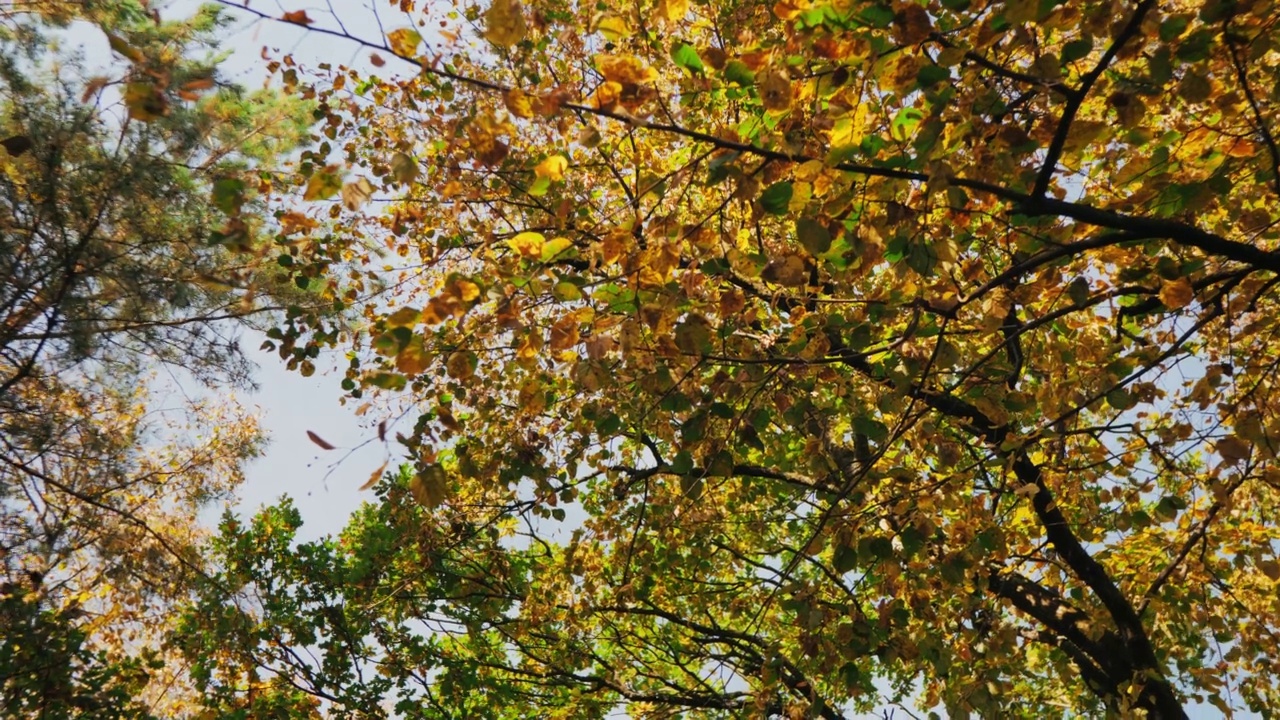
(430, 487)
(504, 23)
(376, 60)
(461, 364)
(356, 194)
(404, 41)
(382, 430)
(519, 102)
(613, 28)
(813, 236)
(374, 477)
(323, 184)
(93, 86)
(324, 444)
(145, 101)
(787, 270)
(1232, 448)
(552, 168)
(414, 358)
(404, 168)
(1177, 294)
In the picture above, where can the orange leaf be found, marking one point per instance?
(297, 17)
(373, 478)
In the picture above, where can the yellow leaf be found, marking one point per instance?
(613, 28)
(788, 271)
(404, 168)
(519, 103)
(528, 244)
(404, 317)
(564, 333)
(552, 168)
(464, 290)
(374, 477)
(554, 247)
(530, 348)
(533, 397)
(323, 184)
(430, 487)
(625, 69)
(413, 359)
(673, 10)
(607, 95)
(504, 23)
(404, 41)
(1177, 294)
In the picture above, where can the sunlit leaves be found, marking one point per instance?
(883, 317)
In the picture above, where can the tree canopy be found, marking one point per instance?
(783, 360)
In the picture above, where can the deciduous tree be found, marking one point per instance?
(129, 216)
(788, 358)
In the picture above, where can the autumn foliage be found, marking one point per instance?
(783, 359)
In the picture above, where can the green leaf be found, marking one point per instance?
(686, 57)
(930, 75)
(1120, 399)
(813, 236)
(1076, 50)
(877, 16)
(682, 463)
(539, 187)
(776, 197)
(738, 72)
(905, 122)
(228, 195)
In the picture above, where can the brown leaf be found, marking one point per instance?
(17, 145)
(297, 17)
(324, 444)
(373, 478)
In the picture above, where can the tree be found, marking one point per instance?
(129, 240)
(786, 359)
